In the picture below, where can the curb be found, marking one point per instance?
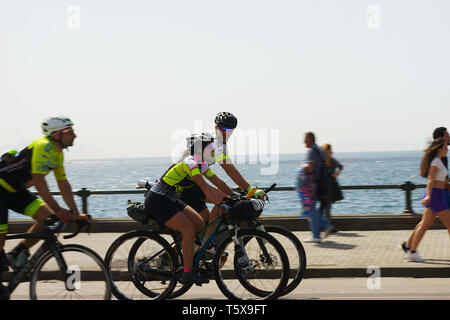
(359, 222)
(389, 272)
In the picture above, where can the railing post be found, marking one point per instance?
(84, 193)
(408, 187)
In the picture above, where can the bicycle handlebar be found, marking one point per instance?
(141, 184)
(56, 225)
(231, 200)
(80, 225)
(271, 188)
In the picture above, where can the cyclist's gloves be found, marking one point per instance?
(259, 194)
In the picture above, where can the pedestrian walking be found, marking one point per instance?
(317, 221)
(333, 169)
(305, 186)
(432, 168)
(442, 132)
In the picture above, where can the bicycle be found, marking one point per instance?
(151, 266)
(293, 247)
(57, 271)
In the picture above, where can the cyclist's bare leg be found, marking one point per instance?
(195, 218)
(40, 215)
(205, 215)
(215, 213)
(188, 222)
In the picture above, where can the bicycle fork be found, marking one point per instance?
(71, 276)
(239, 248)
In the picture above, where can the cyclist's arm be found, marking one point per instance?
(214, 195)
(219, 183)
(235, 175)
(42, 188)
(67, 194)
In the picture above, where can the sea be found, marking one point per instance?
(360, 168)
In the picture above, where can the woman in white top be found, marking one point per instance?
(434, 201)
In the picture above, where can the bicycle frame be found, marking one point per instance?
(51, 244)
(177, 242)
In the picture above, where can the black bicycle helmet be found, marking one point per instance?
(226, 119)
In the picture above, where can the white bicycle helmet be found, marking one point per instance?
(200, 145)
(54, 124)
(199, 138)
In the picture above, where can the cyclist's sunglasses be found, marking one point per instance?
(69, 131)
(225, 129)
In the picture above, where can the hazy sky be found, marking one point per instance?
(135, 76)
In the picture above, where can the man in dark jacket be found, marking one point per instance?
(316, 220)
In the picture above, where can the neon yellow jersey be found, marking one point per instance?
(180, 175)
(40, 157)
(46, 157)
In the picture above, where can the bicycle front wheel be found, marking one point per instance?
(296, 254)
(86, 278)
(263, 275)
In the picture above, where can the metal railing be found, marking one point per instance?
(408, 187)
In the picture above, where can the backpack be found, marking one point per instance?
(8, 158)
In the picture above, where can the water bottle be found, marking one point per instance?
(21, 259)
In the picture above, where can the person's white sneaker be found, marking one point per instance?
(313, 240)
(415, 257)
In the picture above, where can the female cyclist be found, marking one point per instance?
(163, 202)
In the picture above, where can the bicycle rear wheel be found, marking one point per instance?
(179, 288)
(88, 278)
(142, 265)
(263, 276)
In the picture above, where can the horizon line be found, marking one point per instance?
(240, 155)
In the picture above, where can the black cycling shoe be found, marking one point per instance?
(193, 277)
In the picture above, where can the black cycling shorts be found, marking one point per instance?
(161, 208)
(194, 197)
(22, 201)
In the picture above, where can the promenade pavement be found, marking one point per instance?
(345, 254)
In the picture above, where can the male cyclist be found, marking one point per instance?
(225, 124)
(19, 171)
